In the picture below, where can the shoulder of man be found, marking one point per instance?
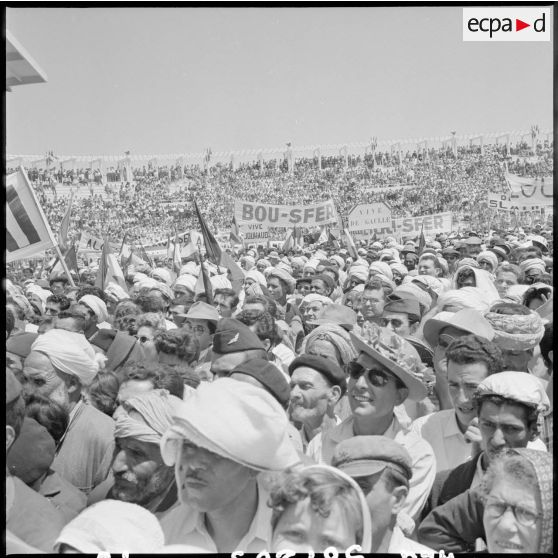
(458, 480)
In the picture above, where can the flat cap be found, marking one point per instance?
(361, 456)
(332, 372)
(232, 336)
(269, 376)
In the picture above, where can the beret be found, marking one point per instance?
(366, 455)
(232, 336)
(408, 306)
(332, 371)
(269, 376)
(20, 343)
(32, 453)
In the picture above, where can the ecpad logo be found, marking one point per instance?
(507, 24)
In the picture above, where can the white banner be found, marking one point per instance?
(266, 216)
(364, 219)
(89, 242)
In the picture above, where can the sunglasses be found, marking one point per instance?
(445, 340)
(375, 376)
(143, 339)
(396, 322)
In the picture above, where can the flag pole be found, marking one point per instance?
(64, 266)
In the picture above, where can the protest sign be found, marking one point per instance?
(266, 215)
(526, 194)
(364, 219)
(88, 242)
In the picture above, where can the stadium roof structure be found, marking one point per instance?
(21, 69)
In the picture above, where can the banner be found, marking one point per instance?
(90, 242)
(410, 226)
(527, 194)
(259, 217)
(27, 229)
(366, 218)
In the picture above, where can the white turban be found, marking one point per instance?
(315, 297)
(382, 268)
(115, 527)
(96, 305)
(533, 263)
(399, 267)
(489, 257)
(359, 272)
(235, 420)
(220, 282)
(188, 281)
(162, 274)
(116, 291)
(190, 268)
(69, 352)
(156, 407)
(256, 276)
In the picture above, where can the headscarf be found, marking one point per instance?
(236, 420)
(220, 282)
(156, 407)
(249, 261)
(264, 261)
(340, 261)
(533, 263)
(115, 527)
(190, 268)
(285, 267)
(337, 336)
(95, 304)
(162, 274)
(515, 293)
(256, 276)
(359, 271)
(483, 281)
(70, 353)
(490, 257)
(315, 297)
(116, 292)
(516, 332)
(399, 267)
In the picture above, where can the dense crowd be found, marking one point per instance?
(391, 396)
(420, 183)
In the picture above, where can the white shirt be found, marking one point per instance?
(321, 449)
(186, 525)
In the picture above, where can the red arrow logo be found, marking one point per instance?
(519, 25)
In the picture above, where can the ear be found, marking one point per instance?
(334, 395)
(398, 496)
(402, 394)
(73, 384)
(10, 437)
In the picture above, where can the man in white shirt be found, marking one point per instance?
(383, 375)
(221, 439)
(382, 468)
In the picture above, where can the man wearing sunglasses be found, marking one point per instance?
(380, 378)
(509, 405)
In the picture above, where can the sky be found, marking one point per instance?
(179, 80)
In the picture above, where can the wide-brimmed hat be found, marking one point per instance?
(468, 320)
(338, 314)
(396, 354)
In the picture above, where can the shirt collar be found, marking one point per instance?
(450, 426)
(345, 430)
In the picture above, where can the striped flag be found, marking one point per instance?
(109, 269)
(350, 243)
(27, 229)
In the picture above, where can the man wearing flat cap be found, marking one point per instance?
(222, 438)
(234, 343)
(317, 385)
(382, 468)
(202, 319)
(385, 373)
(61, 366)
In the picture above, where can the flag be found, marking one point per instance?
(289, 242)
(176, 255)
(212, 248)
(64, 225)
(27, 229)
(203, 284)
(191, 247)
(323, 238)
(297, 235)
(235, 232)
(109, 269)
(236, 275)
(170, 247)
(422, 240)
(350, 244)
(333, 240)
(144, 255)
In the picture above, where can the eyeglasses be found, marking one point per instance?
(375, 376)
(445, 340)
(396, 322)
(198, 329)
(496, 508)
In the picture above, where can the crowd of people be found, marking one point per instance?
(391, 396)
(417, 183)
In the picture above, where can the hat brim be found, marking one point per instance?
(433, 327)
(417, 391)
(322, 321)
(362, 467)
